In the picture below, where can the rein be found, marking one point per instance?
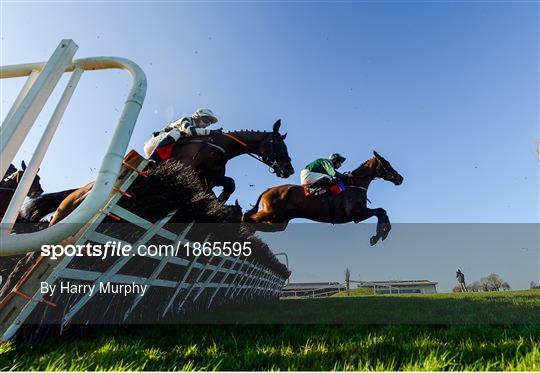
(359, 187)
(251, 153)
(356, 187)
(11, 178)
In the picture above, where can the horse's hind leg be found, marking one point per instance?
(269, 227)
(228, 188)
(262, 221)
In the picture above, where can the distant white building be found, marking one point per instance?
(401, 287)
(311, 289)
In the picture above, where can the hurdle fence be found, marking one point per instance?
(176, 284)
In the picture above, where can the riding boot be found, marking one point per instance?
(331, 208)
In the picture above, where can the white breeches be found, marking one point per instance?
(152, 142)
(309, 177)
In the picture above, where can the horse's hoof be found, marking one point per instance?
(373, 240)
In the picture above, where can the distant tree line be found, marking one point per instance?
(534, 285)
(492, 282)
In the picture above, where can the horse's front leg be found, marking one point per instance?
(383, 225)
(228, 188)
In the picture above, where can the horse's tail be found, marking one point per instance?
(246, 218)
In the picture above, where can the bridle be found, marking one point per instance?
(389, 175)
(270, 161)
(13, 178)
(385, 172)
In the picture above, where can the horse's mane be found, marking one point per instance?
(359, 167)
(248, 131)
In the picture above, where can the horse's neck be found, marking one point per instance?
(6, 193)
(252, 140)
(364, 175)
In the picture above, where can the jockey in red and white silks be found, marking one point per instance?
(194, 125)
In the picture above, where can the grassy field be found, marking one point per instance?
(512, 307)
(311, 347)
(354, 292)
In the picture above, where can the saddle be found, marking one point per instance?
(333, 190)
(165, 152)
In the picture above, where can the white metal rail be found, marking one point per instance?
(42, 80)
(321, 292)
(205, 281)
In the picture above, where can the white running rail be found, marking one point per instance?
(42, 79)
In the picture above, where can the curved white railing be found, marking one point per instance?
(43, 77)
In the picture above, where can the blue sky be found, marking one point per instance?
(446, 91)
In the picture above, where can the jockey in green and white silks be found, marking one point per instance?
(194, 125)
(321, 172)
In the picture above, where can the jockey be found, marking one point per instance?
(321, 172)
(194, 125)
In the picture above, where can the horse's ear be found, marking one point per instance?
(23, 165)
(283, 137)
(377, 155)
(236, 203)
(277, 125)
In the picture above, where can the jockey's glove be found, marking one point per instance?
(217, 130)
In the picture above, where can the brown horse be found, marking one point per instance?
(277, 205)
(9, 185)
(208, 156)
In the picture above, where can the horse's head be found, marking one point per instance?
(384, 170)
(274, 152)
(12, 181)
(11, 170)
(35, 189)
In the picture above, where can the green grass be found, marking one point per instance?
(354, 292)
(513, 307)
(300, 347)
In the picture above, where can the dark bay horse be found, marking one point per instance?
(9, 185)
(208, 156)
(277, 205)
